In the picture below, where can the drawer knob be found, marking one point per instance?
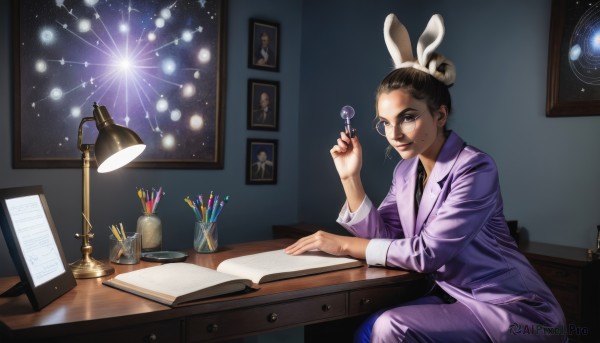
(152, 338)
(326, 307)
(272, 317)
(212, 328)
(365, 301)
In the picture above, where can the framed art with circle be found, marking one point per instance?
(573, 65)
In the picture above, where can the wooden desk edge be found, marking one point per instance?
(22, 328)
(574, 256)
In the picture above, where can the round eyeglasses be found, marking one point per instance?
(406, 124)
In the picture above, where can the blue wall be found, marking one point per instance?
(548, 166)
(333, 54)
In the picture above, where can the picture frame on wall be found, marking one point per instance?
(158, 71)
(573, 87)
(261, 161)
(263, 105)
(263, 45)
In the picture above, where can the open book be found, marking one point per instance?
(176, 283)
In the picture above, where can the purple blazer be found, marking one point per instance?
(460, 237)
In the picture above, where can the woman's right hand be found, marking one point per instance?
(332, 244)
(347, 156)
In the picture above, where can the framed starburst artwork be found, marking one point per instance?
(157, 65)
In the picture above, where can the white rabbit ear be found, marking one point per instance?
(397, 40)
(430, 39)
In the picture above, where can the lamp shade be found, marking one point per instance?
(116, 145)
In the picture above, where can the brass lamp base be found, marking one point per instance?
(90, 268)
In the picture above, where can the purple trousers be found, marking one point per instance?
(426, 319)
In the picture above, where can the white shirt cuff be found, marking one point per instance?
(362, 212)
(376, 253)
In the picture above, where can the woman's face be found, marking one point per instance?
(398, 108)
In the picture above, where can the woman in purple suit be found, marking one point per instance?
(443, 216)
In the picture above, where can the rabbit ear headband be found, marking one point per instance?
(398, 44)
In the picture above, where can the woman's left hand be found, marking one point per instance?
(331, 244)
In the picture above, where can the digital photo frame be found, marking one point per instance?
(34, 246)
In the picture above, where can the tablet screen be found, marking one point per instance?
(35, 238)
(34, 246)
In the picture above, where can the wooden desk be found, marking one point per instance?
(92, 312)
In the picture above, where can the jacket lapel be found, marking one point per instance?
(405, 196)
(430, 195)
(448, 156)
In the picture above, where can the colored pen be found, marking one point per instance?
(217, 212)
(157, 199)
(123, 231)
(115, 233)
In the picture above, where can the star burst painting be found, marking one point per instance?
(155, 64)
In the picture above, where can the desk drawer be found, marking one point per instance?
(373, 299)
(555, 274)
(265, 318)
(565, 283)
(569, 300)
(168, 331)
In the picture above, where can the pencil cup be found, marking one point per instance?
(149, 226)
(205, 237)
(127, 251)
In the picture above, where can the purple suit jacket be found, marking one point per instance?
(460, 237)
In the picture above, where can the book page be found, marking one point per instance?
(175, 279)
(277, 263)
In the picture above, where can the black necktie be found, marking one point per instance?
(421, 175)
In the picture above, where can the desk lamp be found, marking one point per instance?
(115, 147)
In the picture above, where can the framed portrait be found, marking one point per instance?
(261, 161)
(157, 66)
(263, 105)
(573, 63)
(263, 45)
